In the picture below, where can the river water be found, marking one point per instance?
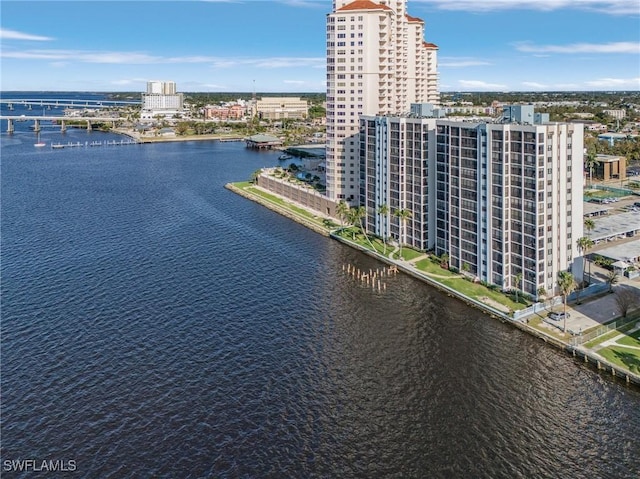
(154, 324)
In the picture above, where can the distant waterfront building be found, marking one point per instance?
(161, 99)
(617, 114)
(610, 167)
(161, 88)
(280, 108)
(503, 200)
(470, 110)
(377, 63)
(224, 112)
(611, 138)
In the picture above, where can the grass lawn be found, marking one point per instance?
(625, 357)
(247, 186)
(478, 291)
(428, 266)
(408, 254)
(602, 339)
(631, 340)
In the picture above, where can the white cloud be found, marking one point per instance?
(567, 86)
(532, 84)
(304, 3)
(137, 58)
(13, 35)
(609, 7)
(83, 57)
(631, 83)
(613, 47)
(480, 85)
(451, 62)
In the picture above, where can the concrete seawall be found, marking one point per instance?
(282, 211)
(588, 357)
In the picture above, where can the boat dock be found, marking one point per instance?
(79, 144)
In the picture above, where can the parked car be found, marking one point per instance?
(557, 316)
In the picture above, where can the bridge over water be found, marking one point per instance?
(67, 103)
(61, 120)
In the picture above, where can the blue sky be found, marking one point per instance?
(279, 45)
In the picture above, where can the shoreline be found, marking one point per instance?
(167, 139)
(588, 357)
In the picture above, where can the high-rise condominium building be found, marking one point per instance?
(161, 87)
(161, 99)
(503, 200)
(377, 64)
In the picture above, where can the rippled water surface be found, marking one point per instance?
(155, 324)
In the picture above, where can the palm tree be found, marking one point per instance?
(589, 225)
(566, 283)
(591, 162)
(518, 282)
(403, 215)
(352, 219)
(359, 214)
(465, 268)
(383, 211)
(255, 175)
(342, 210)
(612, 278)
(542, 293)
(585, 244)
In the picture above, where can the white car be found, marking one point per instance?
(557, 316)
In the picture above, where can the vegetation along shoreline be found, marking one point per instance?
(327, 227)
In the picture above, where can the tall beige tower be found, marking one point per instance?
(378, 63)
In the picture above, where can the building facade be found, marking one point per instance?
(397, 157)
(220, 112)
(280, 108)
(502, 200)
(161, 99)
(377, 64)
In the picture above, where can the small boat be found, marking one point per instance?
(59, 145)
(40, 144)
(285, 157)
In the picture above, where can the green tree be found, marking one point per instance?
(403, 216)
(518, 283)
(358, 214)
(612, 278)
(342, 210)
(542, 293)
(383, 211)
(255, 175)
(566, 283)
(591, 161)
(584, 245)
(589, 225)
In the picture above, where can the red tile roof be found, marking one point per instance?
(430, 45)
(363, 5)
(411, 19)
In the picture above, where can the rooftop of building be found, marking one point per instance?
(622, 252)
(609, 227)
(363, 5)
(608, 158)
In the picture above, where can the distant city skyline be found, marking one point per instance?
(279, 45)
